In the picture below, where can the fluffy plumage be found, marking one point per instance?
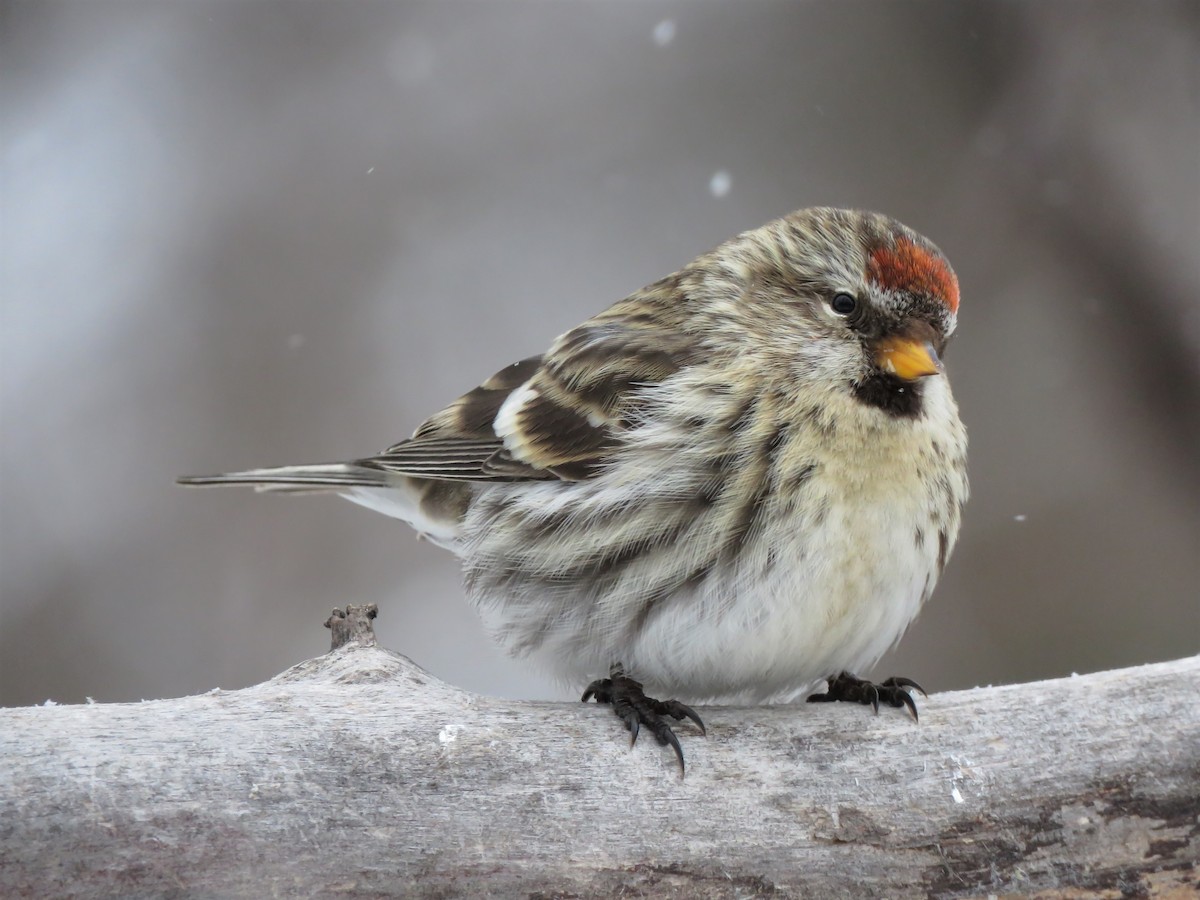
(736, 481)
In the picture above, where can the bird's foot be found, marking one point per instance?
(893, 692)
(635, 709)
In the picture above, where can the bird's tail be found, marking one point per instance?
(321, 477)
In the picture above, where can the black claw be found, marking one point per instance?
(901, 681)
(893, 692)
(682, 711)
(635, 709)
(674, 742)
(635, 727)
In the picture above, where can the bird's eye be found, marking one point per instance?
(843, 304)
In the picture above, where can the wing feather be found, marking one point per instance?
(561, 415)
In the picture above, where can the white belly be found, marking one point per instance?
(835, 599)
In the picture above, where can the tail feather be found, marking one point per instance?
(322, 477)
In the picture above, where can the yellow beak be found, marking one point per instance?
(907, 358)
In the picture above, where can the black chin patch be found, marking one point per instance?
(893, 395)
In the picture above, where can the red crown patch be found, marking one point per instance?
(906, 266)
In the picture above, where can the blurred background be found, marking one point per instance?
(240, 234)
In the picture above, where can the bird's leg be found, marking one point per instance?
(893, 692)
(635, 709)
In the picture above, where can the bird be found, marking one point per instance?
(738, 482)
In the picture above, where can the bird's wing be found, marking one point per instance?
(556, 416)
(457, 443)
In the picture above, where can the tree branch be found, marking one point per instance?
(359, 774)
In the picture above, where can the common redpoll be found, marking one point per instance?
(734, 483)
